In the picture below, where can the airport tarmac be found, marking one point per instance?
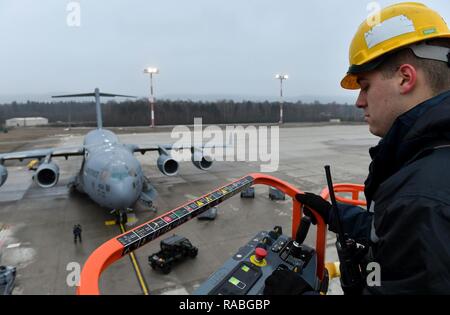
(36, 223)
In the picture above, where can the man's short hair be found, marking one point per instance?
(436, 72)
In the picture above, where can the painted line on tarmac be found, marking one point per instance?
(136, 268)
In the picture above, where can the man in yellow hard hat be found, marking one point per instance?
(401, 65)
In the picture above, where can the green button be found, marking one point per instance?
(245, 268)
(234, 281)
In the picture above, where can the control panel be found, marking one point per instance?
(246, 271)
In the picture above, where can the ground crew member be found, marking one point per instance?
(76, 233)
(401, 66)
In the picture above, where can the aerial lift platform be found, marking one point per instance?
(246, 271)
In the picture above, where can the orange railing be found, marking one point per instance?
(354, 189)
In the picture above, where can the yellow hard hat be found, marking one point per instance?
(398, 26)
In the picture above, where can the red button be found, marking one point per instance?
(260, 253)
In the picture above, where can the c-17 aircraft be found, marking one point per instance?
(110, 174)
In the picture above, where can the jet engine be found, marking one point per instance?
(3, 174)
(201, 161)
(47, 175)
(167, 165)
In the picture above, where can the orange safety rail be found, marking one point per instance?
(354, 189)
(119, 246)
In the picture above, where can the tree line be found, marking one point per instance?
(179, 112)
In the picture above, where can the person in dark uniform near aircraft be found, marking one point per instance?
(76, 233)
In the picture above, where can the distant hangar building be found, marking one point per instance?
(26, 122)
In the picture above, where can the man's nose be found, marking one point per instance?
(361, 101)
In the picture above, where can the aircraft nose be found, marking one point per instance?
(123, 193)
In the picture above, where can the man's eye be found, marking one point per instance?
(364, 88)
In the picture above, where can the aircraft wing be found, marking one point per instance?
(42, 153)
(144, 148)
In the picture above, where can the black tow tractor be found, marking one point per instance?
(173, 249)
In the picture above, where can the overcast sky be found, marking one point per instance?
(202, 47)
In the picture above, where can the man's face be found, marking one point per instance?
(378, 98)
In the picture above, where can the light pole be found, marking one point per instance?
(281, 77)
(152, 71)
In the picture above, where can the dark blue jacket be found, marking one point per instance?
(407, 226)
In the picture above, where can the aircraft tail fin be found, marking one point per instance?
(97, 95)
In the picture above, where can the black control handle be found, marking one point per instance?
(303, 229)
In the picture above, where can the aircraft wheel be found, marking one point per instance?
(166, 269)
(193, 253)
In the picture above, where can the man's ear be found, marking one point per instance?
(407, 75)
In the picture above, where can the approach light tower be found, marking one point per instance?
(281, 77)
(152, 71)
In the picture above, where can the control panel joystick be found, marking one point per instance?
(303, 229)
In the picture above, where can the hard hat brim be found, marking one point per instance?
(349, 82)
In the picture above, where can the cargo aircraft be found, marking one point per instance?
(110, 174)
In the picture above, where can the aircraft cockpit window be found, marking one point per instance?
(119, 172)
(119, 175)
